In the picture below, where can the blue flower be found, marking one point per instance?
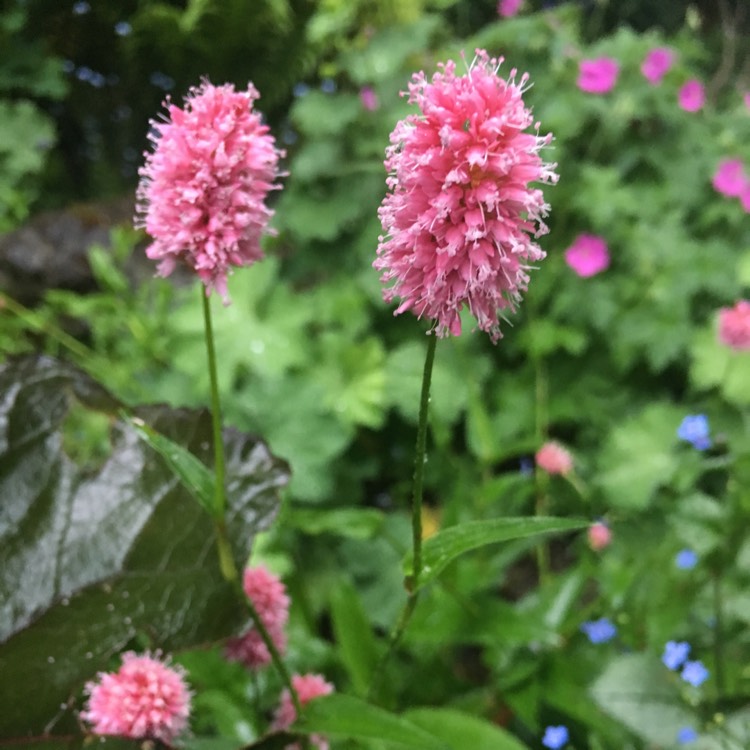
(686, 559)
(685, 735)
(555, 737)
(694, 672)
(675, 654)
(599, 631)
(123, 28)
(694, 429)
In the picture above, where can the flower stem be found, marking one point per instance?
(219, 463)
(541, 507)
(718, 634)
(412, 581)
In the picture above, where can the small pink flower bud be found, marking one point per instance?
(599, 535)
(554, 459)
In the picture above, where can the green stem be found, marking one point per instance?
(542, 480)
(419, 459)
(718, 635)
(412, 581)
(219, 463)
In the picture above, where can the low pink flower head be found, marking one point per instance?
(588, 255)
(554, 459)
(268, 595)
(508, 8)
(460, 210)
(729, 178)
(203, 187)
(599, 536)
(308, 687)
(692, 96)
(597, 76)
(368, 98)
(734, 326)
(657, 64)
(145, 699)
(745, 197)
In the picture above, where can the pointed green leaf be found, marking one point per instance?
(462, 730)
(344, 716)
(194, 474)
(447, 545)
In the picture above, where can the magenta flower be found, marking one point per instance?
(203, 187)
(459, 210)
(657, 64)
(597, 76)
(145, 699)
(746, 99)
(729, 178)
(308, 687)
(599, 536)
(734, 326)
(588, 255)
(692, 96)
(268, 595)
(508, 8)
(368, 98)
(554, 459)
(745, 197)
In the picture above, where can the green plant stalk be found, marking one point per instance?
(542, 480)
(412, 580)
(219, 461)
(718, 635)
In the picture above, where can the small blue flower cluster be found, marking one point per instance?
(675, 657)
(555, 737)
(694, 429)
(599, 631)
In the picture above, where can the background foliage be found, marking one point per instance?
(312, 360)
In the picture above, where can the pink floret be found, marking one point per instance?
(692, 96)
(588, 255)
(554, 459)
(308, 687)
(657, 64)
(734, 326)
(268, 595)
(203, 187)
(145, 699)
(597, 76)
(459, 211)
(730, 179)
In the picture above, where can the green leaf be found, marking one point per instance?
(96, 560)
(447, 545)
(354, 635)
(194, 474)
(640, 692)
(344, 716)
(462, 730)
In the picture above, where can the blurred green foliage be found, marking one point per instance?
(315, 362)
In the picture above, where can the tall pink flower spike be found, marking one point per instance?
(268, 595)
(203, 187)
(145, 699)
(460, 214)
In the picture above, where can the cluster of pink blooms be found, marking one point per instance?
(731, 180)
(268, 595)
(145, 699)
(588, 255)
(203, 188)
(307, 687)
(599, 76)
(459, 212)
(554, 459)
(599, 536)
(734, 326)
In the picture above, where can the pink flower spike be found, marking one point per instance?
(508, 8)
(588, 255)
(459, 208)
(599, 536)
(745, 197)
(368, 98)
(268, 595)
(734, 326)
(692, 96)
(308, 687)
(657, 64)
(554, 459)
(203, 187)
(597, 76)
(729, 178)
(145, 699)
